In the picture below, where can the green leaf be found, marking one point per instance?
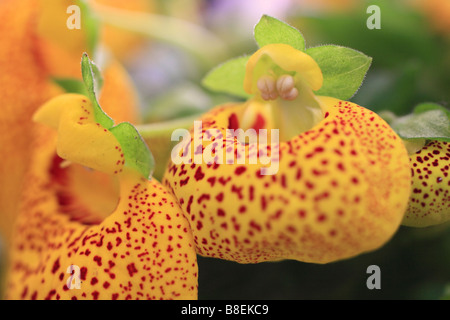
(137, 155)
(91, 77)
(270, 30)
(343, 70)
(91, 25)
(71, 85)
(431, 125)
(423, 107)
(228, 77)
(98, 77)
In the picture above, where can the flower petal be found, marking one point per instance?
(286, 58)
(72, 116)
(142, 250)
(341, 189)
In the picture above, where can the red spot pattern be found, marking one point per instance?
(123, 257)
(430, 198)
(335, 184)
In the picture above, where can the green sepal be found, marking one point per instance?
(343, 70)
(135, 150)
(228, 77)
(271, 30)
(92, 78)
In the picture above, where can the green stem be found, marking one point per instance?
(203, 44)
(148, 131)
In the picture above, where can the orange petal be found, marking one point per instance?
(24, 87)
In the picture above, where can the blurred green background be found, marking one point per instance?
(410, 52)
(411, 64)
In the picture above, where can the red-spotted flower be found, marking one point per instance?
(343, 180)
(430, 194)
(91, 224)
(426, 134)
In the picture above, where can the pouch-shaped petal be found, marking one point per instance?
(142, 249)
(339, 189)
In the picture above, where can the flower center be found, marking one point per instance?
(271, 88)
(87, 196)
(282, 81)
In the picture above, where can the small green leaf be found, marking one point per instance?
(137, 155)
(228, 77)
(423, 107)
(271, 30)
(430, 125)
(343, 70)
(91, 25)
(71, 85)
(98, 78)
(91, 77)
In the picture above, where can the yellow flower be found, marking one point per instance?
(103, 234)
(343, 181)
(430, 199)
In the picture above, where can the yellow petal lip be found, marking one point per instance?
(288, 59)
(50, 112)
(80, 138)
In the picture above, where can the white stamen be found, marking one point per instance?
(286, 87)
(64, 164)
(266, 85)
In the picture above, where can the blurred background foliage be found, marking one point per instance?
(411, 64)
(410, 52)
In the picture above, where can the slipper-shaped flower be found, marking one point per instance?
(338, 182)
(104, 234)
